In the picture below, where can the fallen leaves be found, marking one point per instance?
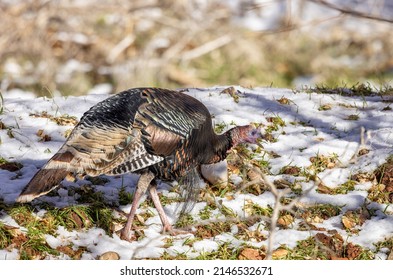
(250, 235)
(351, 219)
(63, 120)
(319, 212)
(382, 189)
(74, 254)
(322, 162)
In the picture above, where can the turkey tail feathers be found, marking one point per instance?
(43, 182)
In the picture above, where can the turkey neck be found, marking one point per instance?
(221, 144)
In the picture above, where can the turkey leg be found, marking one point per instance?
(141, 188)
(167, 227)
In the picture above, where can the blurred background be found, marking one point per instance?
(73, 47)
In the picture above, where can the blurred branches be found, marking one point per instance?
(377, 15)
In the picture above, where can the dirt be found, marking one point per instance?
(384, 176)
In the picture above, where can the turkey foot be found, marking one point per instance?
(166, 226)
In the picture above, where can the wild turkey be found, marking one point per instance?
(158, 133)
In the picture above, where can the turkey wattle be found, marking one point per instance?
(157, 133)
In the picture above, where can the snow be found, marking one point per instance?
(205, 246)
(308, 132)
(267, 15)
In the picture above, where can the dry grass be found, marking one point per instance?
(172, 44)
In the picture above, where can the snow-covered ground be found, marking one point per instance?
(327, 125)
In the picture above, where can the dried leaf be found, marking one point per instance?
(314, 219)
(353, 251)
(280, 253)
(284, 101)
(43, 137)
(66, 250)
(325, 107)
(14, 231)
(353, 218)
(250, 254)
(390, 257)
(110, 255)
(231, 91)
(140, 219)
(348, 222)
(254, 175)
(291, 170)
(233, 169)
(282, 184)
(324, 189)
(285, 220)
(363, 152)
(330, 165)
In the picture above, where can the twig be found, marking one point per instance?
(273, 220)
(120, 47)
(350, 11)
(278, 207)
(207, 47)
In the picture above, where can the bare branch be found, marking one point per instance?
(120, 47)
(350, 11)
(206, 48)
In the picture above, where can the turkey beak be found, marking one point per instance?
(258, 136)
